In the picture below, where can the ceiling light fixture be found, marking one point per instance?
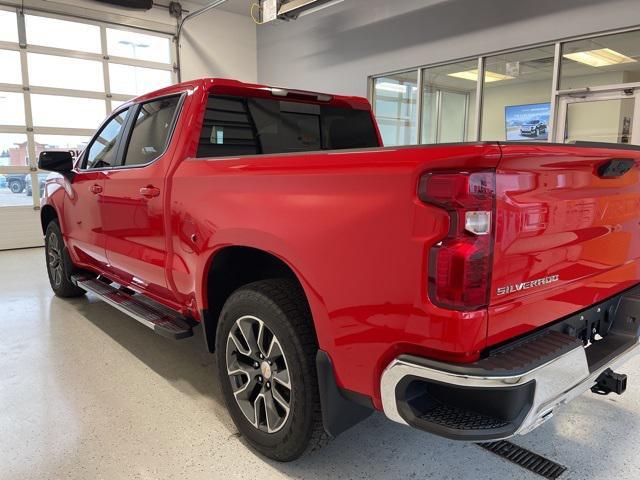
(488, 76)
(602, 57)
(320, 7)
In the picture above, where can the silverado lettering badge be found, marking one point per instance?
(526, 285)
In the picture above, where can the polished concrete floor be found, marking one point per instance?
(87, 393)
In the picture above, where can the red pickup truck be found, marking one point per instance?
(467, 290)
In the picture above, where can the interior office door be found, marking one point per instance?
(610, 117)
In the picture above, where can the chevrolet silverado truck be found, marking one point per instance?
(467, 290)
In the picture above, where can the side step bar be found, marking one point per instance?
(157, 317)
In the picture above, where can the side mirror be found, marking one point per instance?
(60, 161)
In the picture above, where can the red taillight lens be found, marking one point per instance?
(460, 264)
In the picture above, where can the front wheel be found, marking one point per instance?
(266, 348)
(58, 263)
(16, 186)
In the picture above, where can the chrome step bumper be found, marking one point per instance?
(514, 391)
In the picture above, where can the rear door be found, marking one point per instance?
(132, 206)
(567, 232)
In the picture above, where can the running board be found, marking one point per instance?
(157, 317)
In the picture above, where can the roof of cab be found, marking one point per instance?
(225, 86)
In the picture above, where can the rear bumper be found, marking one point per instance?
(517, 388)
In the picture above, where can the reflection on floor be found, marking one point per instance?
(87, 393)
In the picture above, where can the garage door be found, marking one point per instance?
(59, 78)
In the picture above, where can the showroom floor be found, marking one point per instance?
(86, 392)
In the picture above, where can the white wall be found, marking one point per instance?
(336, 49)
(220, 44)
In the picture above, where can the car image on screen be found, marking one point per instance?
(533, 128)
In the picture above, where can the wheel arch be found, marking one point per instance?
(47, 213)
(233, 266)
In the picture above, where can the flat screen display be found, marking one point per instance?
(527, 122)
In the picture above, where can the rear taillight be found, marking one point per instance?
(460, 264)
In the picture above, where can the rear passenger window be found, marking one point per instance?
(102, 152)
(151, 130)
(235, 126)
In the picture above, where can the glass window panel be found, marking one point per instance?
(11, 108)
(126, 79)
(13, 152)
(87, 74)
(151, 131)
(52, 32)
(102, 152)
(122, 43)
(600, 121)
(10, 71)
(67, 112)
(116, 103)
(453, 111)
(13, 149)
(61, 142)
(606, 60)
(8, 26)
(13, 191)
(517, 95)
(448, 102)
(395, 103)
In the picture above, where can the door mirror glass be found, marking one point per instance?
(60, 161)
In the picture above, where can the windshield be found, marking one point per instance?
(248, 126)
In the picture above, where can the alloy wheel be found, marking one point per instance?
(259, 374)
(55, 258)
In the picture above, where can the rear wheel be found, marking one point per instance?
(59, 265)
(266, 348)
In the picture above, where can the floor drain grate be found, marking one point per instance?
(525, 458)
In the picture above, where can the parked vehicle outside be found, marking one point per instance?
(16, 182)
(468, 290)
(41, 179)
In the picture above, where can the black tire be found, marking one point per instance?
(16, 186)
(59, 266)
(281, 306)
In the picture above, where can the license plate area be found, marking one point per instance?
(592, 324)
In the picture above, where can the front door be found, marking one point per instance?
(82, 217)
(132, 207)
(609, 116)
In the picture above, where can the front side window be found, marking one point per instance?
(103, 149)
(151, 131)
(236, 126)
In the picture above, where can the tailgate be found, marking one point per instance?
(567, 232)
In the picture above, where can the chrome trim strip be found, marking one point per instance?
(557, 382)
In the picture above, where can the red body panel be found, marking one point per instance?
(557, 217)
(351, 227)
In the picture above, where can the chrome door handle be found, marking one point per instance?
(95, 189)
(149, 191)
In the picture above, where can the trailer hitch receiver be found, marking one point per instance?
(610, 381)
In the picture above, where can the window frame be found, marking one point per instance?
(555, 94)
(82, 161)
(123, 146)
